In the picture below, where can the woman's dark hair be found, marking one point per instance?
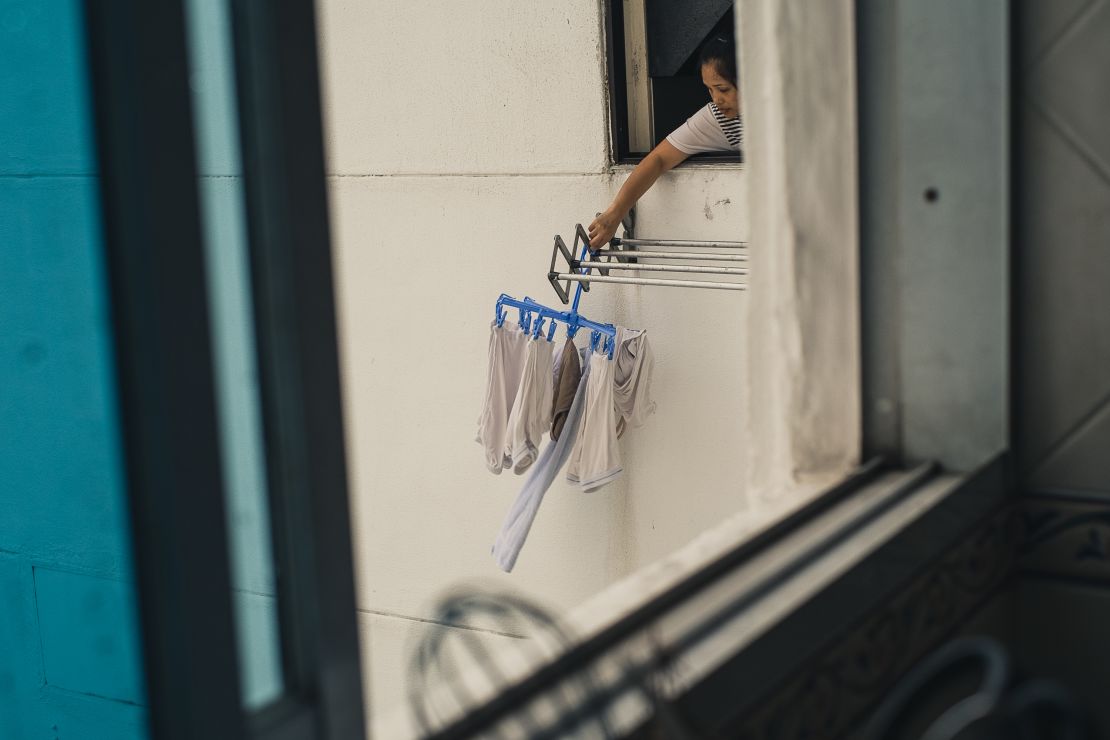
(720, 51)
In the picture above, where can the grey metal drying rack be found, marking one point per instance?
(625, 253)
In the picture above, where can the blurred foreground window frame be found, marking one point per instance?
(139, 65)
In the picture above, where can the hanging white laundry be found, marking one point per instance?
(507, 344)
(632, 375)
(596, 458)
(518, 522)
(531, 413)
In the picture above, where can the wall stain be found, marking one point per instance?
(708, 209)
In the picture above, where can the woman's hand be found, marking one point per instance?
(602, 229)
(659, 160)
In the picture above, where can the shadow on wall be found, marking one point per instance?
(447, 668)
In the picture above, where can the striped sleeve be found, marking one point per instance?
(707, 131)
(733, 128)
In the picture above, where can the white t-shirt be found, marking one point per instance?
(531, 413)
(596, 457)
(708, 131)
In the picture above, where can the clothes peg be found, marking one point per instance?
(595, 339)
(551, 329)
(537, 327)
(499, 309)
(610, 345)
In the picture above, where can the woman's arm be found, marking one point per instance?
(661, 159)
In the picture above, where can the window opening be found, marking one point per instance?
(655, 82)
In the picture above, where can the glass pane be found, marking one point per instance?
(501, 135)
(223, 217)
(70, 650)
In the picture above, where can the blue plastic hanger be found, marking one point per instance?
(533, 311)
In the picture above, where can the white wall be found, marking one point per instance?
(462, 137)
(799, 68)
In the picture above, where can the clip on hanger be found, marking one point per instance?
(597, 342)
(603, 342)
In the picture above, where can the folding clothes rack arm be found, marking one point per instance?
(624, 253)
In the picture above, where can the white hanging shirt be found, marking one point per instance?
(635, 364)
(531, 413)
(518, 521)
(505, 363)
(596, 457)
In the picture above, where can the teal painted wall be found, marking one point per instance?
(69, 646)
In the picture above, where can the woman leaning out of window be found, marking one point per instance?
(716, 127)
